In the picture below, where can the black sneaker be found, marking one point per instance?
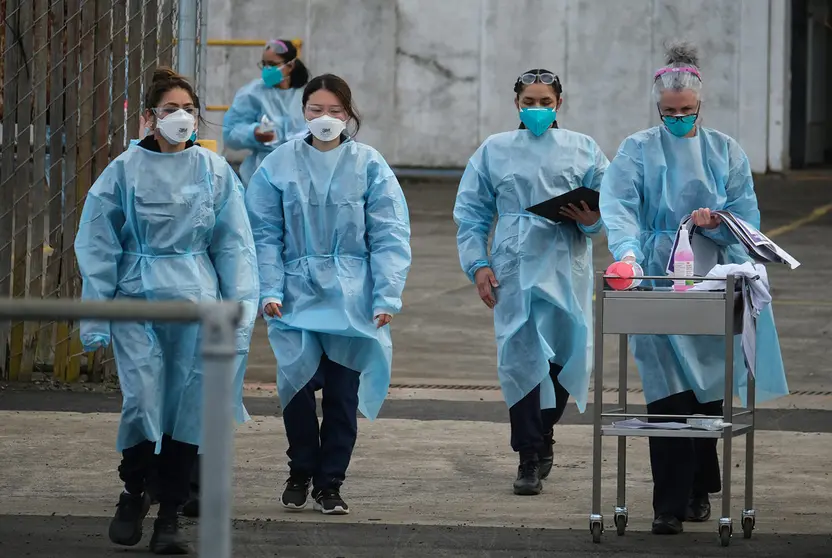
(126, 526)
(296, 493)
(167, 539)
(547, 455)
(329, 502)
(528, 477)
(191, 508)
(667, 525)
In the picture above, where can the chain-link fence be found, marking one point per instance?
(73, 75)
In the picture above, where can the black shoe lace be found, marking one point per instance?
(297, 483)
(330, 494)
(529, 468)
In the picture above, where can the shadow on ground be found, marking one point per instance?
(74, 537)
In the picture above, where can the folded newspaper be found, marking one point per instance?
(759, 246)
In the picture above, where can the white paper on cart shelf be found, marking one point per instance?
(636, 424)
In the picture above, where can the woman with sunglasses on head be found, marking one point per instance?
(537, 277)
(267, 112)
(166, 220)
(658, 177)
(332, 231)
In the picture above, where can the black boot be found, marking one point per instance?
(191, 507)
(699, 509)
(167, 539)
(126, 526)
(547, 455)
(528, 476)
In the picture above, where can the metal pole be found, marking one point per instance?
(186, 41)
(120, 310)
(202, 68)
(599, 398)
(622, 440)
(216, 468)
(728, 403)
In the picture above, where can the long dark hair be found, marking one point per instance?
(300, 73)
(556, 86)
(338, 87)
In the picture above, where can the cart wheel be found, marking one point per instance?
(620, 524)
(724, 535)
(747, 527)
(596, 532)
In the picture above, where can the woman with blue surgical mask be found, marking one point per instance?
(267, 112)
(658, 177)
(166, 220)
(333, 245)
(537, 277)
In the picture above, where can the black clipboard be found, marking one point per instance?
(550, 209)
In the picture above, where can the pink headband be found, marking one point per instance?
(282, 48)
(686, 69)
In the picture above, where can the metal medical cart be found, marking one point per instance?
(636, 312)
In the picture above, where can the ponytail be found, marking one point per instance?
(299, 76)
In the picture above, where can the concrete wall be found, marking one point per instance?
(433, 78)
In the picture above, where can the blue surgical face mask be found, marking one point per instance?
(680, 125)
(272, 75)
(538, 119)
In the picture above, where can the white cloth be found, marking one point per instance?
(756, 296)
(757, 282)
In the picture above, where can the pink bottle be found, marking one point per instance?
(683, 262)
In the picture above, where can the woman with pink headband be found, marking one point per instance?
(267, 112)
(658, 177)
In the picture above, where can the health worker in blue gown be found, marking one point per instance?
(658, 177)
(537, 277)
(267, 112)
(166, 220)
(333, 244)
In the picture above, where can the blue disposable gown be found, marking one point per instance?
(544, 301)
(333, 243)
(158, 226)
(284, 107)
(655, 180)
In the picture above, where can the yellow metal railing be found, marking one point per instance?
(297, 43)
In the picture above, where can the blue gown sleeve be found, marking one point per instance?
(388, 233)
(621, 197)
(741, 199)
(98, 250)
(592, 180)
(233, 254)
(240, 122)
(264, 202)
(474, 211)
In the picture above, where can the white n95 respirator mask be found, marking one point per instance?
(177, 127)
(326, 128)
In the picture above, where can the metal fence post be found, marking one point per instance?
(216, 467)
(186, 45)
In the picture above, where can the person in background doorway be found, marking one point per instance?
(537, 277)
(332, 231)
(166, 220)
(267, 112)
(658, 177)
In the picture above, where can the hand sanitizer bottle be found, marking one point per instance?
(683, 261)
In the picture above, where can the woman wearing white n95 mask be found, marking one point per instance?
(332, 232)
(166, 220)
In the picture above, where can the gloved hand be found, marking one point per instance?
(95, 335)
